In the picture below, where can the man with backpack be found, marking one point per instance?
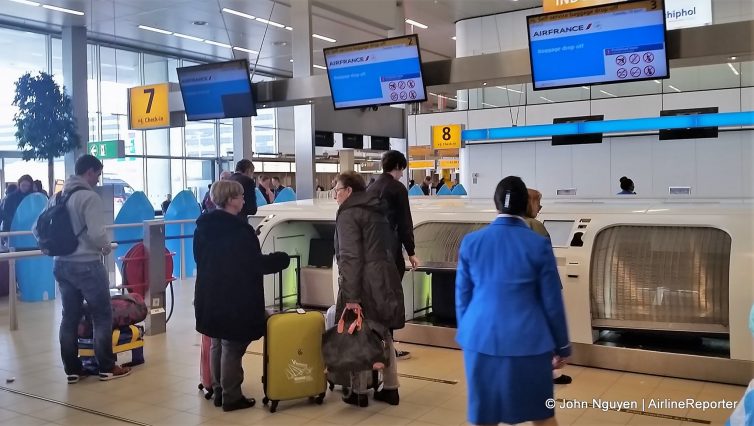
(75, 235)
(394, 196)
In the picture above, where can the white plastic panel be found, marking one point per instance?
(554, 169)
(484, 160)
(719, 169)
(632, 157)
(673, 164)
(591, 169)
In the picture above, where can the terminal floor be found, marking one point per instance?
(163, 391)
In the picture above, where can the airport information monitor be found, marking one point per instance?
(603, 44)
(380, 72)
(219, 90)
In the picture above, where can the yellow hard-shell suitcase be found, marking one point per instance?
(293, 363)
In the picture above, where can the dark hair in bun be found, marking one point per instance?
(511, 196)
(626, 184)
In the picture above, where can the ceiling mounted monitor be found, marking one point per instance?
(581, 138)
(596, 45)
(219, 90)
(380, 72)
(690, 133)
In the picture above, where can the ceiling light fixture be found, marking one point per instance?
(585, 87)
(321, 37)
(188, 37)
(237, 13)
(289, 28)
(657, 81)
(416, 24)
(200, 23)
(732, 68)
(548, 100)
(243, 49)
(217, 43)
(608, 94)
(319, 67)
(26, 2)
(510, 90)
(157, 30)
(62, 9)
(674, 88)
(733, 58)
(273, 23)
(453, 38)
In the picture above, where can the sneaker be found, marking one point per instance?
(402, 354)
(75, 378)
(357, 399)
(388, 395)
(240, 404)
(562, 380)
(116, 373)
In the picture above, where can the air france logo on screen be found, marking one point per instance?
(350, 61)
(562, 30)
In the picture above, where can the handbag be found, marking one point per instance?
(356, 344)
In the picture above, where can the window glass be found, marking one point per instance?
(155, 69)
(22, 52)
(157, 142)
(158, 181)
(200, 139)
(199, 174)
(226, 138)
(119, 70)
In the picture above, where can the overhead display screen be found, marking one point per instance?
(381, 72)
(602, 44)
(219, 90)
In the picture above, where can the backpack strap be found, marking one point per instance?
(60, 198)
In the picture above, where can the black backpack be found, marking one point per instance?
(54, 230)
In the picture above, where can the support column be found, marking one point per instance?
(345, 158)
(303, 115)
(154, 246)
(399, 29)
(74, 79)
(242, 141)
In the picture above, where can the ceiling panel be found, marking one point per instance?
(347, 21)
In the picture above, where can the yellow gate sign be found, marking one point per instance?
(447, 136)
(421, 164)
(148, 107)
(449, 164)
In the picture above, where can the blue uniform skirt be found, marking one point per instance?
(508, 389)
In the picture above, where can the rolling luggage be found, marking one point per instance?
(293, 364)
(205, 372)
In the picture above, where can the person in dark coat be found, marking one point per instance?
(13, 200)
(368, 280)
(394, 196)
(229, 293)
(426, 185)
(245, 176)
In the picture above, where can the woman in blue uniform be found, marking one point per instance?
(510, 314)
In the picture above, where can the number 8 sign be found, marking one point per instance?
(446, 136)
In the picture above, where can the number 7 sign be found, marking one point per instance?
(148, 107)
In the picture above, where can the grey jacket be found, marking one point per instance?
(86, 209)
(364, 251)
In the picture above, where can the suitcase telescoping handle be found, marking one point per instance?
(282, 297)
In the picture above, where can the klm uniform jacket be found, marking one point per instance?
(364, 251)
(508, 297)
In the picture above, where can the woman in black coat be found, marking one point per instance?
(368, 280)
(229, 291)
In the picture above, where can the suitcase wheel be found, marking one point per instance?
(274, 406)
(331, 385)
(201, 386)
(320, 398)
(265, 400)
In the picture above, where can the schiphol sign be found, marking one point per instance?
(687, 13)
(678, 13)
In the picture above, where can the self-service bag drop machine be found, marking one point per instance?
(651, 286)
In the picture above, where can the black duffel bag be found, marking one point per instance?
(355, 344)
